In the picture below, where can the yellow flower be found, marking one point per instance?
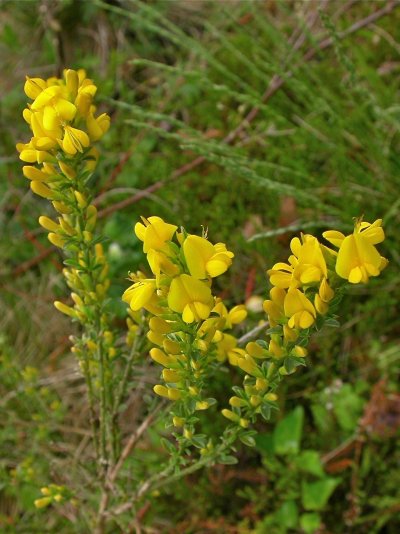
(97, 127)
(236, 315)
(306, 265)
(74, 140)
(281, 275)
(227, 348)
(274, 307)
(311, 266)
(191, 297)
(34, 86)
(43, 502)
(159, 263)
(299, 310)
(358, 259)
(324, 295)
(205, 259)
(140, 294)
(55, 105)
(154, 233)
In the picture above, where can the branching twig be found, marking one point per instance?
(130, 444)
(248, 336)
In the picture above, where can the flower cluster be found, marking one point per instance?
(357, 257)
(62, 158)
(61, 116)
(188, 324)
(64, 129)
(53, 494)
(304, 292)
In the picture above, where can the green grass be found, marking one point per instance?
(177, 78)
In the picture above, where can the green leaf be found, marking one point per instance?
(310, 462)
(168, 445)
(315, 495)
(287, 515)
(266, 411)
(248, 440)
(287, 433)
(322, 418)
(198, 441)
(265, 443)
(274, 330)
(333, 323)
(228, 460)
(347, 407)
(310, 522)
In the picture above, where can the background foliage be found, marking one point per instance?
(256, 119)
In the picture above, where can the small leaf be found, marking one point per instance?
(248, 440)
(72, 263)
(315, 495)
(310, 462)
(168, 445)
(266, 411)
(274, 330)
(287, 433)
(310, 522)
(287, 515)
(199, 442)
(333, 323)
(228, 460)
(347, 406)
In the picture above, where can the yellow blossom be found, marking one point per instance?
(274, 307)
(140, 294)
(74, 140)
(299, 310)
(154, 233)
(358, 259)
(311, 265)
(191, 297)
(205, 259)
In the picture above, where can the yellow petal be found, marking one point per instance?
(215, 267)
(65, 109)
(309, 274)
(355, 275)
(140, 230)
(74, 140)
(237, 314)
(93, 127)
(373, 232)
(72, 82)
(34, 86)
(32, 173)
(186, 290)
(198, 252)
(157, 233)
(334, 237)
(42, 190)
(45, 143)
(321, 306)
(51, 120)
(139, 294)
(28, 155)
(27, 114)
(295, 246)
(188, 315)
